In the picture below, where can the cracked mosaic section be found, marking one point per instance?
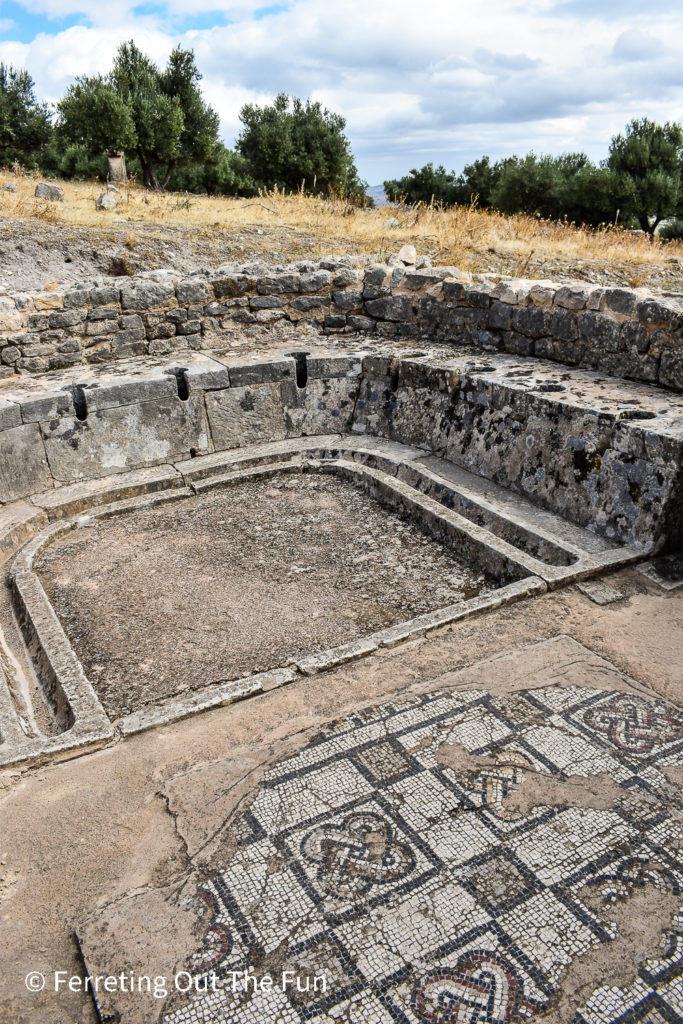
(421, 895)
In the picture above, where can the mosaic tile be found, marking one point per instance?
(414, 892)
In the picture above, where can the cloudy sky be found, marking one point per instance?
(416, 80)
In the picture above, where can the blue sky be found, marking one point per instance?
(441, 80)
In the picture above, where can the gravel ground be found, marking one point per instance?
(166, 600)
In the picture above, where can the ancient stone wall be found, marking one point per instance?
(616, 331)
(604, 455)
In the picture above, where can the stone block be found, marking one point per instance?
(260, 371)
(105, 296)
(635, 335)
(67, 318)
(621, 300)
(77, 299)
(657, 311)
(571, 296)
(147, 294)
(10, 414)
(323, 366)
(278, 284)
(500, 316)
(232, 286)
(241, 416)
(362, 324)
(349, 299)
(190, 327)
(24, 467)
(315, 282)
(324, 406)
(533, 321)
(671, 369)
(392, 308)
(337, 322)
(267, 302)
(599, 331)
(126, 437)
(194, 289)
(564, 325)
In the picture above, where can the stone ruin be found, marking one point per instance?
(494, 442)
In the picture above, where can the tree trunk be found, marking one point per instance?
(169, 172)
(149, 175)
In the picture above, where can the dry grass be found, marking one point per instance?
(469, 238)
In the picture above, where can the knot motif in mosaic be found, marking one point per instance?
(371, 858)
(481, 988)
(633, 724)
(357, 855)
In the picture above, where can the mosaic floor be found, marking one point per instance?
(395, 887)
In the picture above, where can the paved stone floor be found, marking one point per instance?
(447, 858)
(484, 825)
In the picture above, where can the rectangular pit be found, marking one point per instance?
(162, 601)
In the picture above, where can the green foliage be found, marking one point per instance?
(424, 185)
(552, 187)
(646, 161)
(25, 126)
(673, 231)
(70, 161)
(225, 173)
(293, 144)
(160, 116)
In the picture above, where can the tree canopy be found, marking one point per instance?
(646, 161)
(25, 125)
(290, 144)
(160, 115)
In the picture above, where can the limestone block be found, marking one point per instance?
(621, 300)
(500, 315)
(393, 308)
(259, 371)
(147, 294)
(10, 414)
(240, 416)
(23, 465)
(52, 192)
(316, 281)
(106, 202)
(126, 437)
(324, 406)
(671, 370)
(571, 296)
(194, 289)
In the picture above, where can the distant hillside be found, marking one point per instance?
(376, 192)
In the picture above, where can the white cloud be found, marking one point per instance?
(444, 80)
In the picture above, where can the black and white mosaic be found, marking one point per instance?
(378, 885)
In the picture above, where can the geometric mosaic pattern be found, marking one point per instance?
(416, 892)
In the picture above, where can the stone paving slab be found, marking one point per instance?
(500, 844)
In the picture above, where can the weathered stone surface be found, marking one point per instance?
(194, 289)
(671, 370)
(127, 437)
(393, 308)
(52, 192)
(23, 465)
(259, 371)
(621, 300)
(106, 202)
(571, 297)
(245, 415)
(147, 294)
(10, 414)
(324, 406)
